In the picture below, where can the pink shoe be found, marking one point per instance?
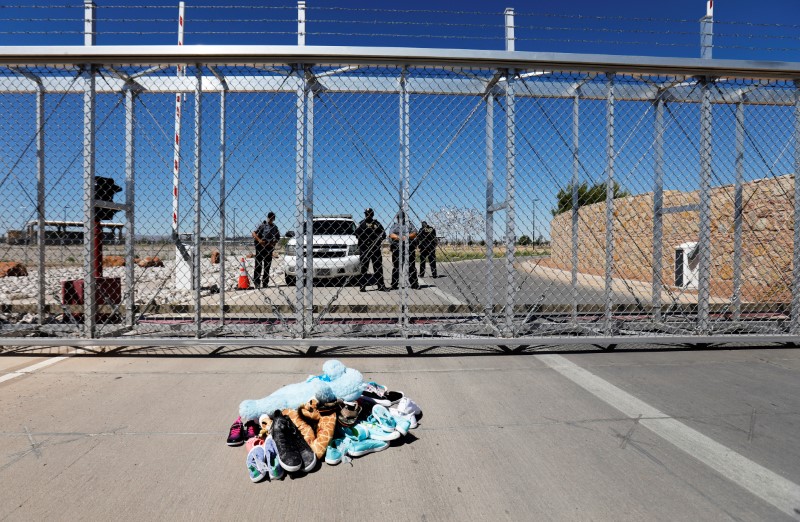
(252, 443)
(236, 434)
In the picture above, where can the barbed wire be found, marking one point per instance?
(383, 10)
(604, 17)
(388, 35)
(607, 42)
(606, 30)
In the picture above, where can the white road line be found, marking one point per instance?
(769, 486)
(32, 368)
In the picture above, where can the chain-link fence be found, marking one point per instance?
(369, 199)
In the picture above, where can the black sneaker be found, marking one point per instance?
(282, 431)
(307, 457)
(377, 394)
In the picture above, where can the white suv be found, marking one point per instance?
(334, 249)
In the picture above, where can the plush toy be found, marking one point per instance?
(336, 382)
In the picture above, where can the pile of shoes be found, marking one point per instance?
(293, 440)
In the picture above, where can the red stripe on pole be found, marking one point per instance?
(174, 191)
(174, 217)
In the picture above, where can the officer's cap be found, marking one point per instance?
(368, 211)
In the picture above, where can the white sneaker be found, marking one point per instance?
(406, 405)
(408, 417)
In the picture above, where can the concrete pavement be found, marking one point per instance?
(502, 437)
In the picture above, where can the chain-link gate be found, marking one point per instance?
(547, 202)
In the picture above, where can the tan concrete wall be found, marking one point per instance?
(766, 238)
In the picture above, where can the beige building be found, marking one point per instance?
(767, 231)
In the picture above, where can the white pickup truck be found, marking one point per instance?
(334, 249)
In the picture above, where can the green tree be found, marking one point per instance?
(586, 196)
(524, 240)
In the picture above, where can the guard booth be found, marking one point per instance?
(687, 263)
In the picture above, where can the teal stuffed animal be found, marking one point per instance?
(336, 382)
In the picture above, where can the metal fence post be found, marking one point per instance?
(795, 317)
(301, 22)
(309, 206)
(130, 199)
(610, 157)
(90, 282)
(40, 195)
(489, 306)
(738, 214)
(223, 108)
(511, 169)
(89, 22)
(404, 244)
(509, 22)
(707, 31)
(576, 162)
(198, 155)
(704, 268)
(658, 206)
(299, 200)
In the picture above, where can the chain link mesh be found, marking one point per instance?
(555, 204)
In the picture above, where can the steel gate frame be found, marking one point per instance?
(509, 67)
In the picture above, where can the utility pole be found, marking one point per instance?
(533, 225)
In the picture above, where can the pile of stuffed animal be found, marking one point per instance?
(334, 416)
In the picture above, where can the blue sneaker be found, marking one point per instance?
(342, 449)
(336, 451)
(362, 447)
(257, 464)
(390, 422)
(275, 470)
(377, 431)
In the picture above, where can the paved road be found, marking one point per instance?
(686, 435)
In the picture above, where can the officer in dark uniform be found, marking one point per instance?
(265, 237)
(370, 235)
(395, 237)
(426, 239)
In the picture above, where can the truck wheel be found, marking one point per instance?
(290, 280)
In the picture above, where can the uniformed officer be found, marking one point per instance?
(395, 238)
(426, 239)
(370, 235)
(265, 237)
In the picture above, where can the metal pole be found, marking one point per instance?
(795, 317)
(576, 163)
(183, 274)
(309, 205)
(130, 198)
(707, 31)
(509, 19)
(489, 306)
(89, 22)
(301, 22)
(511, 158)
(40, 193)
(533, 221)
(610, 157)
(658, 207)
(404, 183)
(299, 200)
(90, 282)
(198, 154)
(223, 106)
(704, 269)
(737, 214)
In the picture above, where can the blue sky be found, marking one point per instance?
(356, 140)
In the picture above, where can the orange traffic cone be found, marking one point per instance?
(244, 281)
